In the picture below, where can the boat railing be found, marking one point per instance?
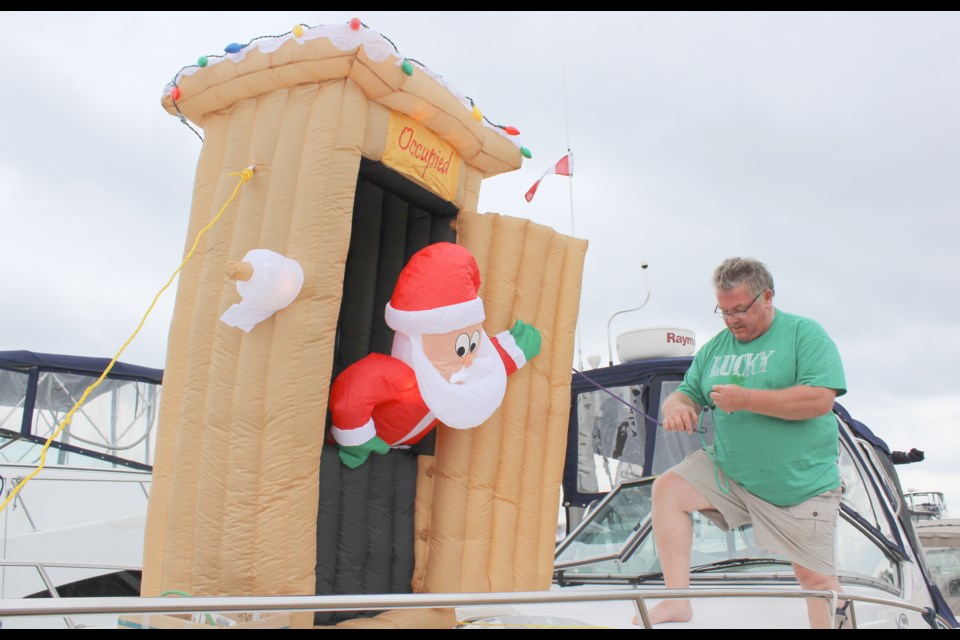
(43, 571)
(358, 603)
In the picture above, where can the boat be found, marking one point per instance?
(941, 547)
(926, 505)
(75, 529)
(614, 452)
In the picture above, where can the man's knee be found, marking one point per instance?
(814, 581)
(668, 485)
(669, 489)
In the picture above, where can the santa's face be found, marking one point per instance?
(451, 352)
(461, 396)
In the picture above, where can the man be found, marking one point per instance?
(443, 368)
(771, 379)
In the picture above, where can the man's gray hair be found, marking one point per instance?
(734, 272)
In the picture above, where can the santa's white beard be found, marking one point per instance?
(473, 393)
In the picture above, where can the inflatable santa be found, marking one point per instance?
(443, 367)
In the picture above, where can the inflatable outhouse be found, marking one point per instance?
(356, 166)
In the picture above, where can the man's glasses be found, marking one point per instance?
(737, 313)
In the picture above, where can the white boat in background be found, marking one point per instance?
(926, 505)
(75, 529)
(941, 546)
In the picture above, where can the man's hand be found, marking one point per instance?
(356, 455)
(527, 338)
(729, 397)
(679, 414)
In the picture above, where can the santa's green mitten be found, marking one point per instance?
(355, 455)
(527, 338)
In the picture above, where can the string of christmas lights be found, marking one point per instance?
(406, 65)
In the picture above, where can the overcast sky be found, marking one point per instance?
(825, 144)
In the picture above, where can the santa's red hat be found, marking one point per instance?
(436, 292)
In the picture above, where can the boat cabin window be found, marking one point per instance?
(614, 440)
(859, 494)
(672, 447)
(114, 424)
(887, 483)
(859, 556)
(611, 438)
(13, 393)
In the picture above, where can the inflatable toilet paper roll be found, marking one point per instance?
(267, 282)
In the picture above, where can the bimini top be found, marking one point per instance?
(112, 429)
(23, 360)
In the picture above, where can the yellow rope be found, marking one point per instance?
(245, 175)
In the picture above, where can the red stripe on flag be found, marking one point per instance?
(563, 167)
(532, 190)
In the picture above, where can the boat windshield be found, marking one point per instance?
(616, 540)
(605, 532)
(615, 543)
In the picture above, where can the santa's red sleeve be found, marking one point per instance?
(510, 353)
(360, 388)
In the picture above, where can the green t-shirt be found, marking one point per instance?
(782, 461)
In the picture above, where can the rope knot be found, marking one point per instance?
(245, 175)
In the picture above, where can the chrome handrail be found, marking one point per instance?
(67, 565)
(202, 604)
(51, 586)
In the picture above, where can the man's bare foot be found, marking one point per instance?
(669, 611)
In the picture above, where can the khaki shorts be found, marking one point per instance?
(804, 532)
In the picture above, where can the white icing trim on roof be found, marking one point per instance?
(376, 46)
